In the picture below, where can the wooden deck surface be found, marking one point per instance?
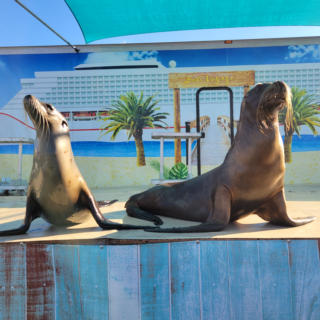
(302, 200)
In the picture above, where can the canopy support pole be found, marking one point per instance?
(24, 7)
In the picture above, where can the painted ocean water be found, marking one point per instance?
(152, 148)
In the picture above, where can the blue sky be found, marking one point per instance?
(19, 28)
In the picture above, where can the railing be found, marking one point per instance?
(225, 123)
(204, 123)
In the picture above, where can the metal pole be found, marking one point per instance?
(161, 159)
(20, 161)
(24, 7)
(187, 140)
(190, 159)
(198, 117)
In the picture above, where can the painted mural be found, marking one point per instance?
(114, 101)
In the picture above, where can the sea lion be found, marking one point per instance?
(249, 181)
(57, 191)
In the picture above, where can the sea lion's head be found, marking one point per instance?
(268, 99)
(45, 118)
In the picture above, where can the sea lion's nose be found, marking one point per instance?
(27, 99)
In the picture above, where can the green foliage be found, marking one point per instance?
(132, 113)
(178, 171)
(304, 111)
(155, 164)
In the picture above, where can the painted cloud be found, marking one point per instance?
(307, 53)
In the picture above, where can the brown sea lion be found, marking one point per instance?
(249, 181)
(57, 191)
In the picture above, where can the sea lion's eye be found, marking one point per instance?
(49, 107)
(64, 124)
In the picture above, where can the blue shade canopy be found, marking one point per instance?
(101, 19)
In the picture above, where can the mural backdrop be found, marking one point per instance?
(114, 101)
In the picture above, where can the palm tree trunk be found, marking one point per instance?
(288, 146)
(141, 160)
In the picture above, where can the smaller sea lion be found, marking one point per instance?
(249, 181)
(57, 191)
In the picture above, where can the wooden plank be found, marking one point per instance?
(211, 79)
(12, 285)
(66, 267)
(154, 281)
(40, 282)
(185, 291)
(93, 269)
(245, 299)
(214, 280)
(275, 280)
(305, 279)
(123, 267)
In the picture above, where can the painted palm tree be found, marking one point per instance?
(305, 111)
(133, 113)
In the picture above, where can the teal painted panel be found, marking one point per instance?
(123, 280)
(68, 303)
(12, 286)
(305, 279)
(154, 281)
(100, 19)
(245, 299)
(215, 280)
(185, 284)
(93, 269)
(40, 282)
(275, 280)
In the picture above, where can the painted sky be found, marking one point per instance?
(15, 67)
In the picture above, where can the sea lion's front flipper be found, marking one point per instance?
(104, 223)
(31, 214)
(275, 211)
(217, 220)
(106, 203)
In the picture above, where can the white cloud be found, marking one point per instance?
(2, 65)
(303, 53)
(109, 57)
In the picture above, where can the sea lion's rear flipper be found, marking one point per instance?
(106, 203)
(104, 223)
(275, 211)
(31, 214)
(217, 220)
(134, 211)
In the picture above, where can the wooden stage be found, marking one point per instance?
(302, 201)
(251, 270)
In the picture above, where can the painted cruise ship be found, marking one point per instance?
(79, 94)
